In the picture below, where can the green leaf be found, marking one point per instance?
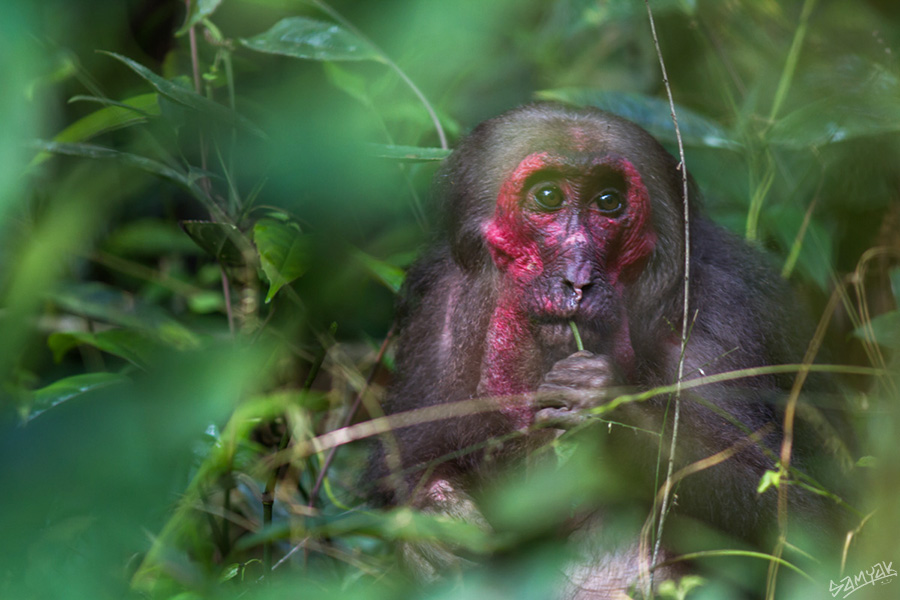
(187, 97)
(114, 116)
(132, 345)
(409, 153)
(132, 160)
(886, 328)
(283, 252)
(149, 237)
(837, 119)
(217, 239)
(206, 302)
(867, 462)
(855, 98)
(351, 83)
(392, 277)
(653, 114)
(769, 479)
(107, 304)
(300, 37)
(199, 10)
(71, 387)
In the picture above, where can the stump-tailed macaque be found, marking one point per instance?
(552, 215)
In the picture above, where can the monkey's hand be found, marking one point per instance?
(574, 384)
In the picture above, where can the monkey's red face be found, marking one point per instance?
(569, 232)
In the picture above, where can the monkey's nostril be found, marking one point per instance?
(576, 290)
(573, 289)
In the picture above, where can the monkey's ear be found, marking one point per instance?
(463, 207)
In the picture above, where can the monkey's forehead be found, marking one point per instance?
(578, 140)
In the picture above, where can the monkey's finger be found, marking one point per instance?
(559, 418)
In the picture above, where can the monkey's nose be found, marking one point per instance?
(575, 289)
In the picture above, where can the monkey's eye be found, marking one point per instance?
(610, 201)
(548, 196)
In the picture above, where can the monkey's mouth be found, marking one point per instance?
(567, 305)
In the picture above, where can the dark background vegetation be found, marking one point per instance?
(170, 273)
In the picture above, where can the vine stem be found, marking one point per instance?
(685, 314)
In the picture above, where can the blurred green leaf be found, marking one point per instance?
(283, 252)
(217, 239)
(149, 237)
(132, 345)
(107, 304)
(816, 254)
(199, 10)
(187, 97)
(207, 301)
(392, 277)
(110, 118)
(409, 153)
(124, 158)
(653, 114)
(301, 37)
(886, 328)
(854, 97)
(351, 83)
(837, 119)
(71, 387)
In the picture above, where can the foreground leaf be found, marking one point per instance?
(129, 344)
(283, 253)
(71, 387)
(188, 98)
(125, 158)
(217, 239)
(391, 276)
(300, 37)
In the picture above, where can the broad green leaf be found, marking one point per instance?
(854, 98)
(409, 153)
(283, 252)
(217, 239)
(207, 301)
(653, 114)
(130, 344)
(125, 158)
(71, 387)
(115, 116)
(392, 277)
(867, 462)
(351, 83)
(149, 237)
(107, 304)
(187, 97)
(199, 10)
(886, 328)
(300, 37)
(837, 119)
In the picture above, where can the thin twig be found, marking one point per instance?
(685, 316)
